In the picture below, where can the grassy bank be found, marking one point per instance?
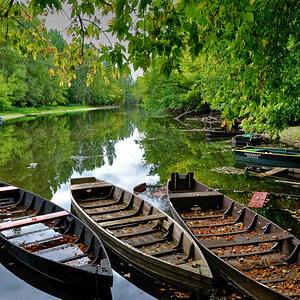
(20, 112)
(291, 136)
(33, 110)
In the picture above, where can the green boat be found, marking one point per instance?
(274, 157)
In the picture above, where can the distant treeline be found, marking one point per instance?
(25, 82)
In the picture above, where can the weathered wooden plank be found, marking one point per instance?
(114, 216)
(132, 220)
(195, 195)
(33, 220)
(105, 203)
(90, 185)
(212, 225)
(8, 188)
(149, 242)
(247, 254)
(120, 208)
(45, 240)
(274, 171)
(29, 233)
(202, 218)
(137, 233)
(222, 233)
(12, 212)
(246, 240)
(166, 252)
(258, 199)
(271, 280)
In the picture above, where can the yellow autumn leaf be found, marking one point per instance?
(201, 5)
(264, 42)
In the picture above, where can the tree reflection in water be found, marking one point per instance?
(124, 147)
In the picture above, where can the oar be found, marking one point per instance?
(140, 188)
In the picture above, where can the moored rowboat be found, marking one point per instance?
(256, 255)
(215, 133)
(141, 234)
(275, 157)
(51, 241)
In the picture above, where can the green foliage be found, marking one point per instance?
(4, 94)
(256, 41)
(196, 84)
(31, 81)
(98, 92)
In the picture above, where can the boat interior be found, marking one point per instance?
(44, 229)
(134, 221)
(238, 235)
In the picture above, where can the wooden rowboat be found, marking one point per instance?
(275, 157)
(141, 234)
(243, 140)
(254, 254)
(215, 133)
(51, 241)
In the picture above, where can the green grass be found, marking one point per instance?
(291, 135)
(32, 110)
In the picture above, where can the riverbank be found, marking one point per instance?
(12, 115)
(291, 136)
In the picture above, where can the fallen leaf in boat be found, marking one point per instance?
(127, 275)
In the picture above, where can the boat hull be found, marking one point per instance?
(222, 133)
(87, 276)
(244, 283)
(58, 272)
(157, 268)
(238, 279)
(262, 158)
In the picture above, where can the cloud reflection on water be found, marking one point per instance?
(126, 171)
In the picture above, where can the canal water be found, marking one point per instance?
(124, 147)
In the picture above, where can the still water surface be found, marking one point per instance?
(124, 147)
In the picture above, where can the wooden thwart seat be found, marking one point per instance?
(222, 233)
(138, 233)
(132, 220)
(90, 185)
(246, 240)
(44, 241)
(233, 256)
(148, 242)
(195, 195)
(212, 225)
(33, 220)
(203, 217)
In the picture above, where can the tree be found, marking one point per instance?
(188, 90)
(257, 39)
(4, 93)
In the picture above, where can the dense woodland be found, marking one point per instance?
(25, 82)
(238, 57)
